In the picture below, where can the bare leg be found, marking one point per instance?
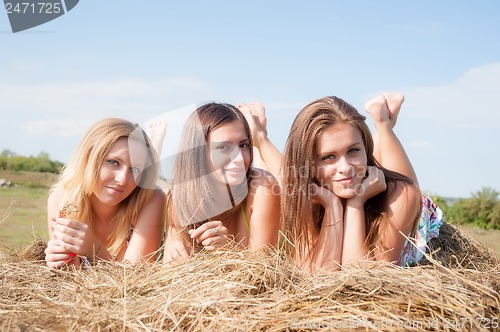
(258, 162)
(388, 150)
(268, 153)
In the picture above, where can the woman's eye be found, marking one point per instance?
(354, 150)
(112, 162)
(136, 170)
(224, 148)
(244, 146)
(328, 157)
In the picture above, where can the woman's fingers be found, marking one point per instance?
(67, 238)
(374, 182)
(73, 235)
(208, 229)
(211, 235)
(178, 253)
(57, 256)
(69, 225)
(213, 243)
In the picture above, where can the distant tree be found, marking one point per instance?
(483, 203)
(17, 163)
(7, 153)
(457, 212)
(482, 209)
(495, 216)
(43, 155)
(40, 163)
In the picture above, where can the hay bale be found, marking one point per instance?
(245, 290)
(455, 249)
(34, 251)
(452, 249)
(456, 288)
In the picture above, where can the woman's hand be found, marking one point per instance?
(330, 201)
(175, 251)
(355, 248)
(371, 186)
(327, 251)
(56, 256)
(76, 237)
(212, 235)
(323, 196)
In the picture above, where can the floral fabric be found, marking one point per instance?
(429, 224)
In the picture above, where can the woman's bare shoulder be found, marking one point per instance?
(54, 198)
(263, 182)
(159, 194)
(263, 177)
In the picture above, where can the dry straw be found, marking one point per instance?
(456, 289)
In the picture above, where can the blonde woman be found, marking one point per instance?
(216, 195)
(105, 204)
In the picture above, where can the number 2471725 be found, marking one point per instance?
(33, 8)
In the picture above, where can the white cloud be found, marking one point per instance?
(63, 128)
(67, 109)
(447, 131)
(471, 101)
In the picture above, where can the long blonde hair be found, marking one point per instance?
(78, 178)
(300, 217)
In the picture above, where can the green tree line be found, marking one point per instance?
(41, 163)
(482, 209)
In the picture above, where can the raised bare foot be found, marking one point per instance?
(156, 132)
(255, 115)
(394, 101)
(385, 107)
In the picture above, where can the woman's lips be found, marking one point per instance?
(348, 180)
(234, 170)
(115, 190)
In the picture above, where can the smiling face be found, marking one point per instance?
(340, 159)
(120, 172)
(229, 151)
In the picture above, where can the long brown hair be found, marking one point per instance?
(299, 216)
(191, 198)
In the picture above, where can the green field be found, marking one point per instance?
(22, 215)
(490, 238)
(23, 208)
(23, 212)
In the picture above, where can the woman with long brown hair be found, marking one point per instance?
(216, 196)
(344, 198)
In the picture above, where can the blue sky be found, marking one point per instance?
(139, 60)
